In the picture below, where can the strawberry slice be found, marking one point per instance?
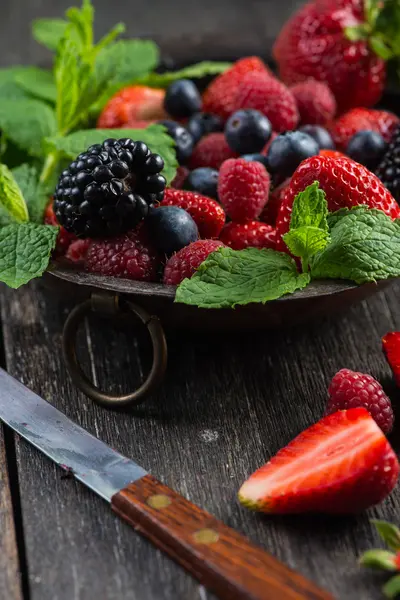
(391, 348)
(342, 464)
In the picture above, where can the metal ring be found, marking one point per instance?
(80, 379)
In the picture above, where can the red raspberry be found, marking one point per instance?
(78, 250)
(357, 119)
(243, 188)
(315, 102)
(208, 215)
(131, 256)
(391, 348)
(270, 213)
(64, 238)
(180, 177)
(263, 92)
(349, 389)
(219, 97)
(251, 234)
(185, 262)
(211, 151)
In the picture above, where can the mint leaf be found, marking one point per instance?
(11, 198)
(67, 77)
(25, 252)
(392, 588)
(37, 82)
(201, 69)
(49, 32)
(26, 122)
(231, 277)
(389, 533)
(154, 136)
(379, 559)
(309, 232)
(380, 48)
(35, 196)
(82, 19)
(365, 246)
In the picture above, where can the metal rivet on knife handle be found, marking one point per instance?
(109, 306)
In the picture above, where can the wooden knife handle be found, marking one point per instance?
(219, 557)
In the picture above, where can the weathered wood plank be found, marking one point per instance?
(10, 579)
(225, 407)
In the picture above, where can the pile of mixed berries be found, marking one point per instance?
(245, 147)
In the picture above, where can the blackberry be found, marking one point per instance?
(108, 189)
(389, 169)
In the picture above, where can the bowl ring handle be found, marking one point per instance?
(113, 306)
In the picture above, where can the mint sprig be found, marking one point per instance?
(385, 560)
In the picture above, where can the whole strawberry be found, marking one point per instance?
(211, 151)
(315, 102)
(349, 389)
(264, 92)
(359, 119)
(332, 41)
(185, 262)
(243, 188)
(208, 215)
(130, 256)
(219, 97)
(133, 103)
(346, 184)
(251, 234)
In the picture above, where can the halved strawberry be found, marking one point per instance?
(391, 348)
(342, 464)
(132, 103)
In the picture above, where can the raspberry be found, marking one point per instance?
(243, 188)
(251, 234)
(64, 238)
(180, 177)
(315, 102)
(219, 97)
(208, 215)
(263, 92)
(270, 213)
(349, 389)
(211, 151)
(132, 103)
(107, 189)
(130, 255)
(78, 250)
(185, 262)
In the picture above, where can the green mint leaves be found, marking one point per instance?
(11, 198)
(365, 246)
(231, 277)
(309, 232)
(197, 71)
(383, 559)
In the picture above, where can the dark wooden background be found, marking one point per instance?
(226, 406)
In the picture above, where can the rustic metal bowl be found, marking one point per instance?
(154, 305)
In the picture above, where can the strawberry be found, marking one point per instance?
(331, 153)
(263, 92)
(184, 263)
(346, 184)
(329, 40)
(243, 188)
(342, 464)
(270, 213)
(315, 102)
(208, 215)
(357, 119)
(391, 348)
(133, 103)
(219, 97)
(211, 151)
(251, 234)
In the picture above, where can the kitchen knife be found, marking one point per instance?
(219, 557)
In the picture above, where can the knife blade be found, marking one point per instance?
(218, 556)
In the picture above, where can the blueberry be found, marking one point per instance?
(256, 157)
(203, 123)
(287, 151)
(247, 131)
(320, 135)
(204, 181)
(183, 140)
(171, 228)
(367, 147)
(182, 99)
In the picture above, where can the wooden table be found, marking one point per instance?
(226, 406)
